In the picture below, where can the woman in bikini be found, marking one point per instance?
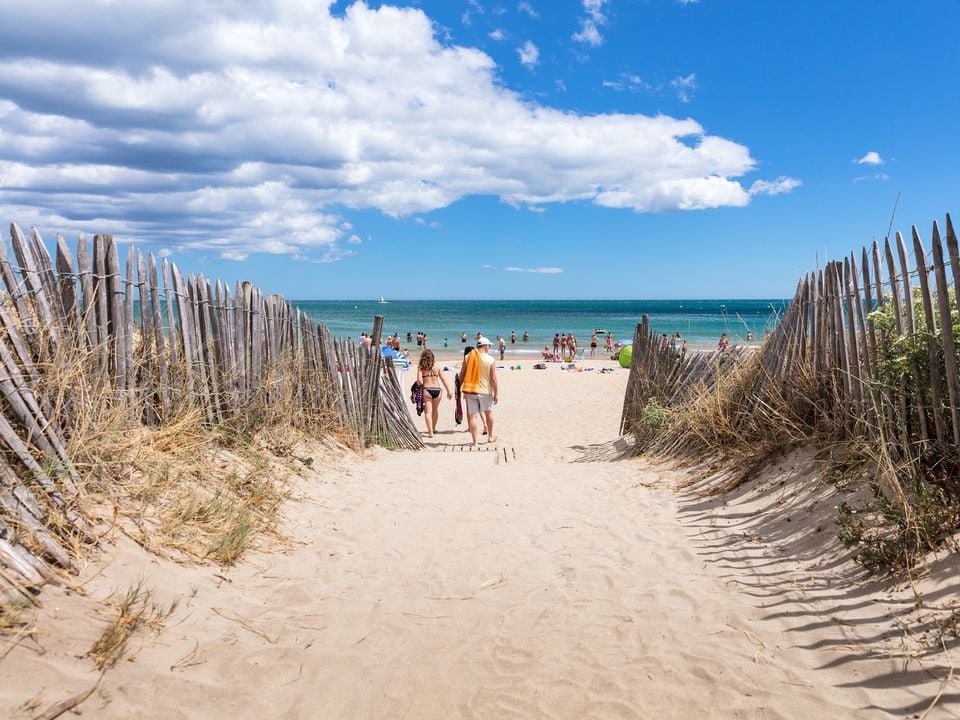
(431, 378)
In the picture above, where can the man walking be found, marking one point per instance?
(480, 389)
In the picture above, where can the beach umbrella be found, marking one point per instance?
(399, 359)
(625, 355)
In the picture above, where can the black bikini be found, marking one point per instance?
(434, 391)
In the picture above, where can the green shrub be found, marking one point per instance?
(654, 416)
(887, 538)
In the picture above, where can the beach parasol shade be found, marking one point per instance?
(625, 355)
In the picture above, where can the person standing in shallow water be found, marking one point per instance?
(431, 378)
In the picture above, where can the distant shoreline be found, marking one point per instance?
(533, 355)
(699, 322)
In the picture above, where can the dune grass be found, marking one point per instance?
(130, 611)
(178, 484)
(747, 420)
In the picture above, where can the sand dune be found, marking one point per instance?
(514, 582)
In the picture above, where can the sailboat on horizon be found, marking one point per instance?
(383, 302)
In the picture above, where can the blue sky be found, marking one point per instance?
(479, 148)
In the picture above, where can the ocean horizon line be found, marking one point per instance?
(537, 300)
(700, 321)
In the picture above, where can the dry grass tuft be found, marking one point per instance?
(15, 615)
(742, 421)
(133, 610)
(200, 500)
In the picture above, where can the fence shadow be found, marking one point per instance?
(775, 537)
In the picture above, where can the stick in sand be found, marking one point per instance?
(55, 711)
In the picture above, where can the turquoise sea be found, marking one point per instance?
(699, 321)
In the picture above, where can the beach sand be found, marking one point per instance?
(539, 577)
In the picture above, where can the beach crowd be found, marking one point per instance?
(474, 387)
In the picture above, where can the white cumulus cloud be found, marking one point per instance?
(685, 86)
(627, 82)
(538, 270)
(589, 32)
(527, 8)
(871, 158)
(529, 54)
(775, 187)
(246, 128)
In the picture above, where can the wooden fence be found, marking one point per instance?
(878, 332)
(881, 332)
(659, 373)
(77, 332)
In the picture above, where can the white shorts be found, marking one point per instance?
(478, 403)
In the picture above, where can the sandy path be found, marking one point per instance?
(491, 584)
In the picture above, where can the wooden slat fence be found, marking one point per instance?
(154, 343)
(659, 373)
(878, 331)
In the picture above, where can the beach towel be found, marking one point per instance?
(458, 410)
(416, 396)
(471, 373)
